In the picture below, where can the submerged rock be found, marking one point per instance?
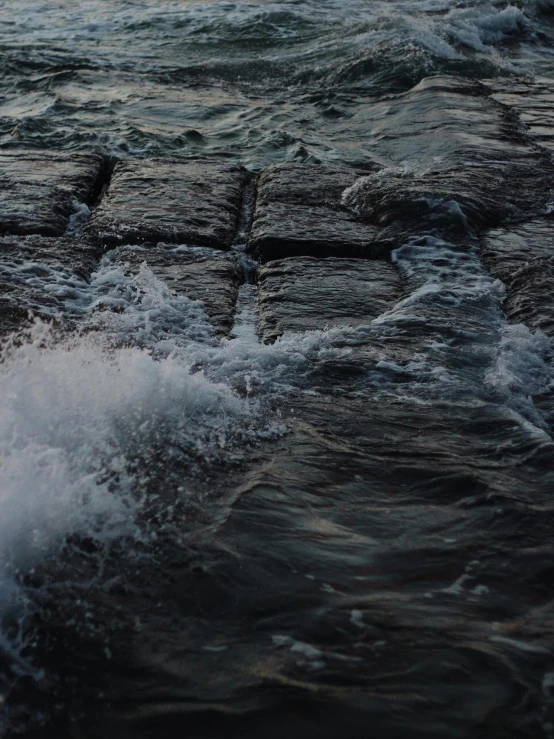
(38, 274)
(198, 273)
(533, 100)
(460, 160)
(522, 257)
(39, 190)
(303, 293)
(78, 256)
(299, 213)
(19, 303)
(193, 202)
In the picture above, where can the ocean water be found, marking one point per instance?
(192, 541)
(258, 82)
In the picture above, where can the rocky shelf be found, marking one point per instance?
(405, 513)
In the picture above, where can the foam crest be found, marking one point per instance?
(522, 368)
(481, 28)
(81, 410)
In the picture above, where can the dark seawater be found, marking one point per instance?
(347, 533)
(258, 82)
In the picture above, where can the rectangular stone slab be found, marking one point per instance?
(79, 257)
(36, 276)
(299, 213)
(195, 203)
(199, 273)
(38, 189)
(304, 293)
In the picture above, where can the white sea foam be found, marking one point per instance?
(76, 410)
(482, 27)
(522, 368)
(144, 370)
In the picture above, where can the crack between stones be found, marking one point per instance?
(245, 321)
(103, 182)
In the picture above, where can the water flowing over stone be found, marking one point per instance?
(198, 273)
(304, 496)
(299, 213)
(306, 294)
(38, 275)
(466, 164)
(195, 203)
(38, 190)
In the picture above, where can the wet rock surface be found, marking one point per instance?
(39, 191)
(533, 101)
(39, 275)
(198, 273)
(467, 163)
(194, 203)
(522, 257)
(299, 213)
(343, 528)
(303, 293)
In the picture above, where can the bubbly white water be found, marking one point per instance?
(144, 370)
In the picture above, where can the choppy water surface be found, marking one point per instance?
(215, 538)
(258, 82)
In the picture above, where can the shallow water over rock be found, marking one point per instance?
(309, 496)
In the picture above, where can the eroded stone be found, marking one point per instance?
(37, 276)
(461, 161)
(193, 202)
(304, 293)
(533, 100)
(38, 190)
(198, 273)
(523, 258)
(299, 213)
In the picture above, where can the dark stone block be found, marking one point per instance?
(299, 213)
(532, 100)
(198, 273)
(522, 257)
(195, 203)
(305, 184)
(66, 253)
(19, 303)
(462, 161)
(304, 293)
(38, 189)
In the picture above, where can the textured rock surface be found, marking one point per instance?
(20, 302)
(466, 163)
(533, 100)
(362, 537)
(195, 203)
(38, 189)
(78, 256)
(299, 213)
(198, 273)
(523, 258)
(304, 293)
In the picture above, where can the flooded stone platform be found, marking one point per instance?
(336, 462)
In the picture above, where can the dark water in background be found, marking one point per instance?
(258, 82)
(219, 538)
